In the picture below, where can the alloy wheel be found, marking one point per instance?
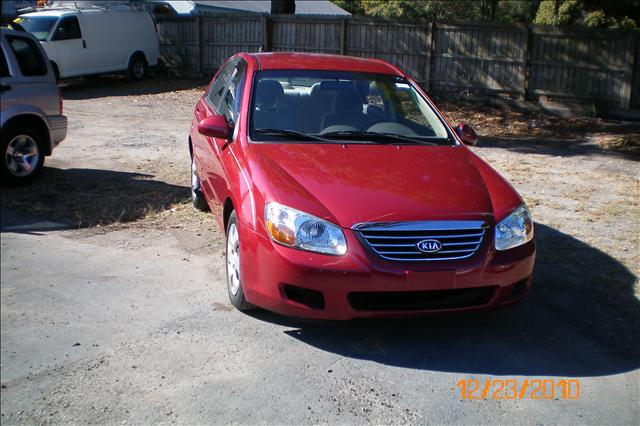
(22, 155)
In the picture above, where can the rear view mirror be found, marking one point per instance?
(215, 126)
(466, 134)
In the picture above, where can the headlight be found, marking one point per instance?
(294, 228)
(515, 229)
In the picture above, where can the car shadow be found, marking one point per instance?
(115, 85)
(580, 319)
(80, 198)
(554, 147)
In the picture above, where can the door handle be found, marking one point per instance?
(5, 87)
(84, 44)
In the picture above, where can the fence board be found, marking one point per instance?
(405, 44)
(490, 58)
(223, 36)
(178, 39)
(294, 34)
(581, 64)
(480, 57)
(635, 91)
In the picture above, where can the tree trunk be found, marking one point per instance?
(283, 6)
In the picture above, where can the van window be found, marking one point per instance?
(4, 68)
(29, 58)
(231, 104)
(217, 89)
(68, 29)
(39, 26)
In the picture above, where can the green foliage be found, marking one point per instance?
(568, 12)
(621, 14)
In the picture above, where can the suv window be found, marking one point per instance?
(29, 58)
(233, 96)
(68, 29)
(220, 83)
(4, 69)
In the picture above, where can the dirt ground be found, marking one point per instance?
(120, 233)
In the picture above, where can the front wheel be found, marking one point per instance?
(22, 155)
(137, 68)
(234, 278)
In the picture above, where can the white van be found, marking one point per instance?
(95, 40)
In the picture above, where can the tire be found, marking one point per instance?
(137, 69)
(22, 155)
(232, 261)
(197, 198)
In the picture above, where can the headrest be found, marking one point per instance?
(269, 91)
(347, 102)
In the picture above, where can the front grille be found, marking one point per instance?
(399, 240)
(421, 300)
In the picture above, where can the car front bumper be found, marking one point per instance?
(361, 284)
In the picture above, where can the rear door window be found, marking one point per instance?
(217, 89)
(68, 29)
(30, 60)
(233, 96)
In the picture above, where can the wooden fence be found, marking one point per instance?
(517, 61)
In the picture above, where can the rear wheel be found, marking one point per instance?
(137, 68)
(22, 155)
(197, 198)
(234, 278)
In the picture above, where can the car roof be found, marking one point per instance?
(318, 61)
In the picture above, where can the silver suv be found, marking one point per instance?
(31, 123)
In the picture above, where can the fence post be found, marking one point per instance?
(528, 58)
(200, 44)
(265, 33)
(432, 53)
(343, 35)
(625, 95)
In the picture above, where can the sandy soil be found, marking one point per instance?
(137, 282)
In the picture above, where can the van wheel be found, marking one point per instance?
(22, 155)
(137, 68)
(232, 257)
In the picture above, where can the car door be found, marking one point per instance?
(7, 98)
(73, 57)
(206, 152)
(230, 108)
(27, 80)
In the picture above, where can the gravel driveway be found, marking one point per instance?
(114, 306)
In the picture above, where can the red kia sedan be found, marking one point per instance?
(343, 192)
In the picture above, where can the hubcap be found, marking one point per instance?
(22, 155)
(233, 260)
(138, 69)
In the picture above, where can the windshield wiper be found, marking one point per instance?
(379, 137)
(289, 134)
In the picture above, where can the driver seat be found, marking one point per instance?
(347, 110)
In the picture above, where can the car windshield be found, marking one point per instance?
(39, 26)
(335, 106)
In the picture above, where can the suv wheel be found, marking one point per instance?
(22, 155)
(234, 279)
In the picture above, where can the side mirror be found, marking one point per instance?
(215, 126)
(466, 134)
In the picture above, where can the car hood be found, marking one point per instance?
(353, 183)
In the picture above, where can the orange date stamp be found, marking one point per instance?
(472, 389)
